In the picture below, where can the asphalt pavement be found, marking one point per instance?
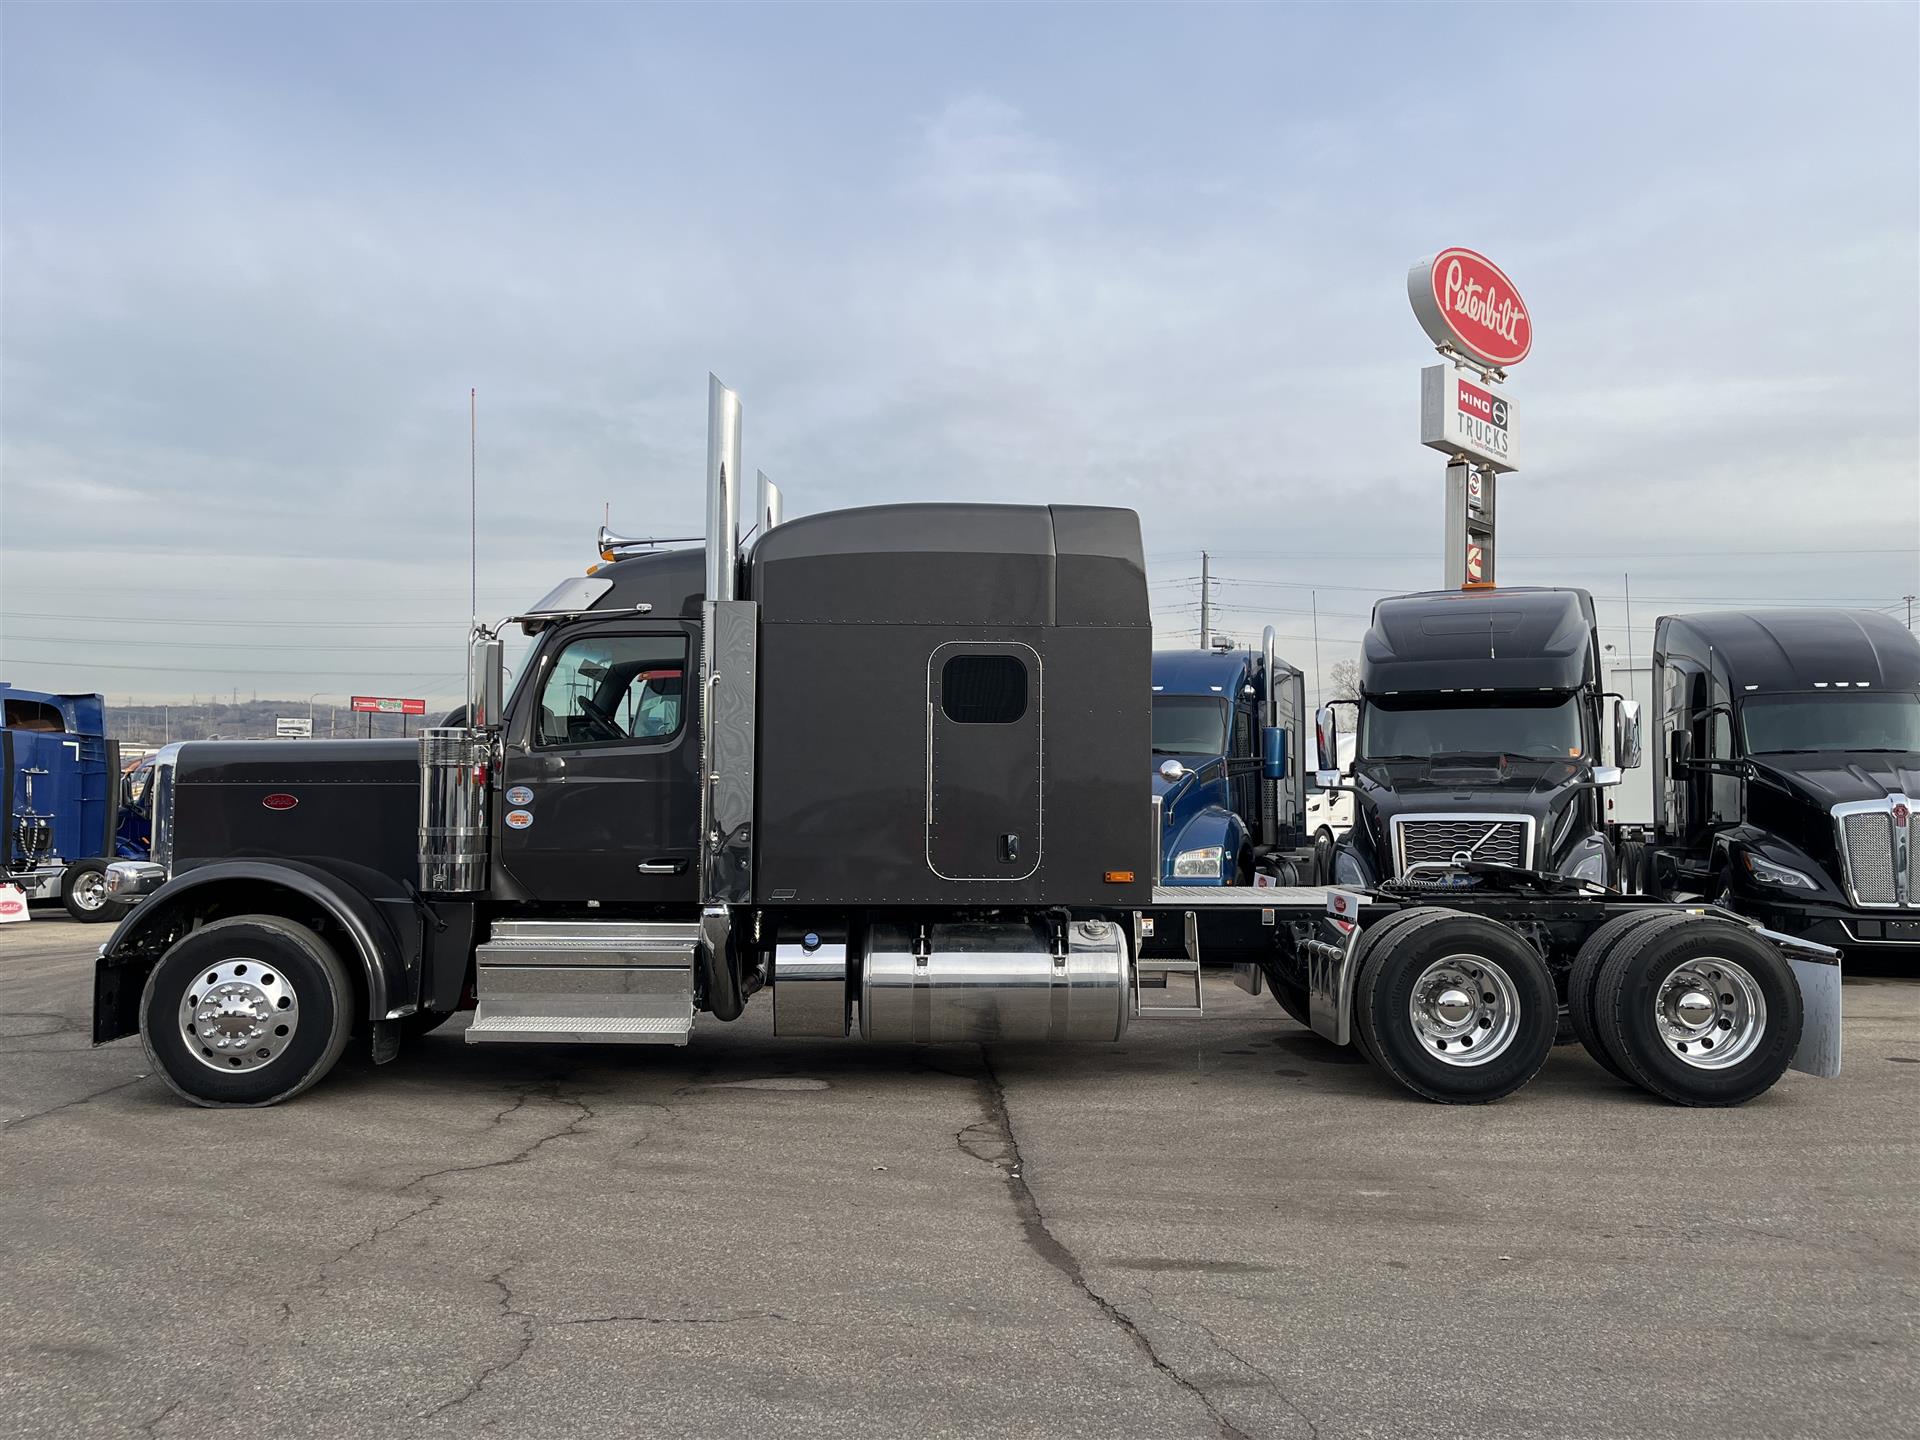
(1215, 1228)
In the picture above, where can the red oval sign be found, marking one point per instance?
(1467, 302)
(279, 801)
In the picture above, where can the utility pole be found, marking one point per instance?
(1206, 605)
(1910, 599)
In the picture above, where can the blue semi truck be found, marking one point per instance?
(1229, 789)
(68, 810)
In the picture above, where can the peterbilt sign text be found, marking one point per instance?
(1467, 303)
(1464, 418)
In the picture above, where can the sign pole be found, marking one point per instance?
(1479, 324)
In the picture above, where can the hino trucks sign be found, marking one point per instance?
(1464, 417)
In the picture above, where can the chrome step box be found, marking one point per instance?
(593, 982)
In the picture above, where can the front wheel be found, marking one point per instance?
(83, 890)
(1456, 1007)
(246, 1011)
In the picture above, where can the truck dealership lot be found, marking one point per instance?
(1208, 1230)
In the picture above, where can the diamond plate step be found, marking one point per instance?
(581, 1029)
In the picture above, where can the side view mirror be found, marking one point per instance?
(1273, 753)
(1626, 734)
(1606, 775)
(1171, 770)
(486, 682)
(1326, 739)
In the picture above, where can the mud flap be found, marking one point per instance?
(1819, 1049)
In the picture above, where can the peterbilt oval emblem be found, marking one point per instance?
(280, 800)
(1467, 302)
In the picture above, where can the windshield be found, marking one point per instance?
(1546, 727)
(1189, 725)
(1824, 720)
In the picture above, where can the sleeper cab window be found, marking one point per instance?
(614, 690)
(983, 689)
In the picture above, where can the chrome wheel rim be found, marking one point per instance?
(1710, 1013)
(90, 890)
(1465, 1010)
(238, 1015)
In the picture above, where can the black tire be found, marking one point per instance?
(1323, 856)
(83, 892)
(1585, 973)
(1243, 866)
(1516, 978)
(293, 963)
(1291, 994)
(1382, 932)
(1630, 867)
(1629, 996)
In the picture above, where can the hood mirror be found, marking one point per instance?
(1172, 770)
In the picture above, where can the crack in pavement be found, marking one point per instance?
(736, 1319)
(549, 1090)
(1044, 1243)
(523, 1344)
(151, 1428)
(70, 1104)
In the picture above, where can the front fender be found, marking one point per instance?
(290, 888)
(1731, 844)
(1214, 825)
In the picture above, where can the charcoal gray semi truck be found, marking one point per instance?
(887, 769)
(1785, 758)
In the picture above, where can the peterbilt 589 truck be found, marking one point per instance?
(907, 792)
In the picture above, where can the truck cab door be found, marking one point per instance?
(600, 796)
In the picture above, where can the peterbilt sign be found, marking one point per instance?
(1463, 417)
(1465, 302)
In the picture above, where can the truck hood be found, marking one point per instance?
(1831, 779)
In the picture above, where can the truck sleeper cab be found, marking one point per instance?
(1786, 761)
(1478, 733)
(905, 786)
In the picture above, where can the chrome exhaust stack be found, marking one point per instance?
(729, 645)
(455, 764)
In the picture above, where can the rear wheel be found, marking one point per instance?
(1630, 867)
(1323, 856)
(1585, 973)
(1381, 934)
(83, 890)
(246, 1011)
(1699, 1013)
(1457, 1008)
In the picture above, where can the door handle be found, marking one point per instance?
(661, 867)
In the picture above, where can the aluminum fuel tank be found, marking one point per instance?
(995, 981)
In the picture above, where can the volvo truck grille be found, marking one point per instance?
(1880, 861)
(1450, 838)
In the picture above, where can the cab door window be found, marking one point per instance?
(613, 690)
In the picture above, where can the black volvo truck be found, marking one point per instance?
(1478, 736)
(1786, 765)
(889, 768)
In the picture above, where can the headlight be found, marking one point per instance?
(1768, 873)
(1203, 863)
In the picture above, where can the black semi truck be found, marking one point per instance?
(1478, 737)
(888, 767)
(1786, 766)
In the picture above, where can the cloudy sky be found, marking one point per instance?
(256, 257)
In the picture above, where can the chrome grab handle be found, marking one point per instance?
(661, 867)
